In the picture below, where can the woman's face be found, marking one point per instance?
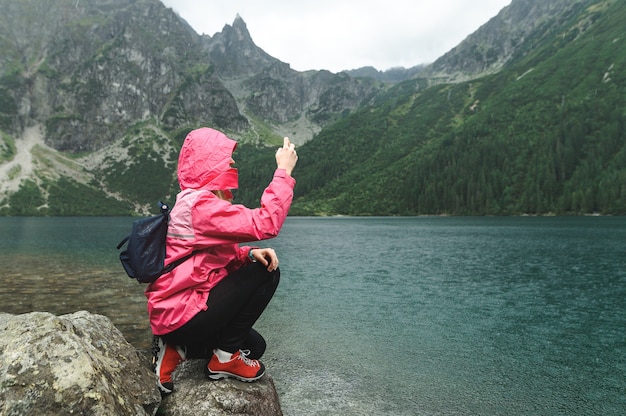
(224, 195)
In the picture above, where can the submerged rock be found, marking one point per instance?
(71, 364)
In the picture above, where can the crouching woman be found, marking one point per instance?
(207, 306)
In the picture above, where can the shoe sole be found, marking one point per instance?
(222, 374)
(158, 360)
(164, 390)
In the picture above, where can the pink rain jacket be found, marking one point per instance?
(202, 221)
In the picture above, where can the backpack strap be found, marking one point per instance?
(123, 241)
(178, 262)
(165, 210)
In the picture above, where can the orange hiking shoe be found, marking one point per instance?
(165, 359)
(239, 366)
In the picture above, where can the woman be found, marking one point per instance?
(208, 304)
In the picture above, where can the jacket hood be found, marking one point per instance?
(204, 161)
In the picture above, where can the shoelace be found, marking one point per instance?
(243, 355)
(155, 352)
(182, 352)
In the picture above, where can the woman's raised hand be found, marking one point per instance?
(286, 156)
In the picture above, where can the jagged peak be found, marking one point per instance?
(234, 52)
(239, 25)
(238, 20)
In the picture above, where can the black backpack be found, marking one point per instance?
(144, 257)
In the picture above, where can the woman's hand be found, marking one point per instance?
(265, 256)
(286, 156)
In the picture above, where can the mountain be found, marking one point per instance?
(96, 98)
(288, 102)
(392, 75)
(99, 81)
(516, 31)
(539, 130)
(91, 70)
(500, 40)
(87, 71)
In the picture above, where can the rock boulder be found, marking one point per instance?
(71, 364)
(81, 364)
(195, 395)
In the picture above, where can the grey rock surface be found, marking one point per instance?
(194, 395)
(78, 363)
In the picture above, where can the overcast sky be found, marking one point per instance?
(346, 34)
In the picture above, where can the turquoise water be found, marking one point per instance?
(394, 316)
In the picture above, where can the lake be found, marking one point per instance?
(389, 316)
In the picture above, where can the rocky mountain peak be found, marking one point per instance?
(234, 53)
(498, 41)
(120, 78)
(239, 23)
(88, 71)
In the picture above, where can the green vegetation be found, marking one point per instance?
(69, 198)
(7, 147)
(60, 121)
(62, 198)
(27, 201)
(146, 179)
(261, 132)
(256, 166)
(546, 135)
(10, 83)
(148, 174)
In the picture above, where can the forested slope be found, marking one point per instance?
(544, 135)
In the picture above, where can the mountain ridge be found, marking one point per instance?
(545, 135)
(116, 85)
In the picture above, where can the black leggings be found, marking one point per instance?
(234, 305)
